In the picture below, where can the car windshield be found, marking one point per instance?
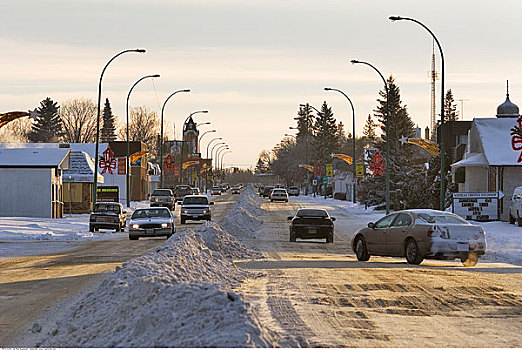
(312, 213)
(216, 188)
(162, 193)
(183, 187)
(106, 207)
(195, 200)
(279, 191)
(442, 219)
(151, 213)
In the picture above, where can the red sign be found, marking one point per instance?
(122, 166)
(176, 170)
(377, 165)
(318, 169)
(516, 140)
(169, 164)
(107, 162)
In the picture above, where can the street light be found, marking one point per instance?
(217, 138)
(128, 144)
(191, 114)
(353, 117)
(206, 132)
(387, 170)
(315, 109)
(95, 181)
(161, 135)
(218, 153)
(442, 150)
(222, 156)
(200, 124)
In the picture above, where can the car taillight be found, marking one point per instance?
(431, 231)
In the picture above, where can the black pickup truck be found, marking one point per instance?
(181, 191)
(108, 215)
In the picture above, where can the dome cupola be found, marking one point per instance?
(508, 109)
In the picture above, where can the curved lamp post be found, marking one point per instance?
(95, 181)
(127, 180)
(442, 150)
(216, 159)
(205, 123)
(218, 154)
(161, 135)
(315, 109)
(206, 132)
(387, 133)
(217, 138)
(191, 114)
(222, 156)
(353, 120)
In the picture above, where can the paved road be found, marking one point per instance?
(31, 284)
(321, 294)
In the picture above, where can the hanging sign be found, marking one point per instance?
(329, 170)
(359, 169)
(168, 164)
(344, 157)
(107, 162)
(377, 165)
(122, 166)
(310, 168)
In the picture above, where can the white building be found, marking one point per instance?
(31, 182)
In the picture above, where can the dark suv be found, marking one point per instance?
(163, 197)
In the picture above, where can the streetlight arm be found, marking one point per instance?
(217, 138)
(206, 132)
(191, 114)
(218, 153)
(222, 156)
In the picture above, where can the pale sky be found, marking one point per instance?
(251, 63)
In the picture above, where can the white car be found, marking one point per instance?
(152, 222)
(279, 194)
(515, 209)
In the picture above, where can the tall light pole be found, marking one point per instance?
(191, 114)
(217, 138)
(353, 136)
(95, 180)
(218, 153)
(206, 176)
(389, 111)
(161, 135)
(442, 150)
(206, 132)
(127, 180)
(222, 156)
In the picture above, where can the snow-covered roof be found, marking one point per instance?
(471, 159)
(89, 148)
(81, 168)
(495, 138)
(34, 157)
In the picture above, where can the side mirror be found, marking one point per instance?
(333, 219)
(211, 203)
(289, 217)
(371, 225)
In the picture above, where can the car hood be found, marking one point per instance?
(150, 221)
(106, 213)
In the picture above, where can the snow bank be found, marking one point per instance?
(178, 296)
(242, 220)
(504, 242)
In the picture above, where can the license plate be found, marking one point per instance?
(312, 230)
(151, 231)
(462, 247)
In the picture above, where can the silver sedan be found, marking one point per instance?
(151, 222)
(421, 233)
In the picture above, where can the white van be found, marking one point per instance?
(515, 209)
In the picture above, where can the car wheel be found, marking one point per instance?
(329, 239)
(292, 236)
(133, 238)
(511, 219)
(91, 228)
(519, 222)
(361, 251)
(169, 235)
(413, 253)
(470, 260)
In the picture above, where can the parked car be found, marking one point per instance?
(215, 191)
(293, 191)
(152, 222)
(418, 234)
(235, 190)
(279, 194)
(181, 191)
(267, 190)
(107, 215)
(311, 223)
(261, 190)
(196, 207)
(515, 209)
(163, 197)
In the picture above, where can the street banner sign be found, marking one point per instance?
(318, 169)
(122, 166)
(329, 170)
(359, 169)
(325, 179)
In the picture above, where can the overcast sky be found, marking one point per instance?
(251, 63)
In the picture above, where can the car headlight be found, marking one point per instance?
(165, 225)
(185, 211)
(204, 211)
(135, 226)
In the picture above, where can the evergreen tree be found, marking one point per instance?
(108, 132)
(369, 129)
(48, 125)
(450, 107)
(326, 137)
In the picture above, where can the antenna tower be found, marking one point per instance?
(434, 76)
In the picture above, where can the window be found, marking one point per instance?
(195, 200)
(402, 220)
(162, 193)
(442, 219)
(151, 213)
(385, 221)
(312, 213)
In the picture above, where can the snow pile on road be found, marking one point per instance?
(504, 242)
(219, 240)
(178, 296)
(242, 220)
(70, 228)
